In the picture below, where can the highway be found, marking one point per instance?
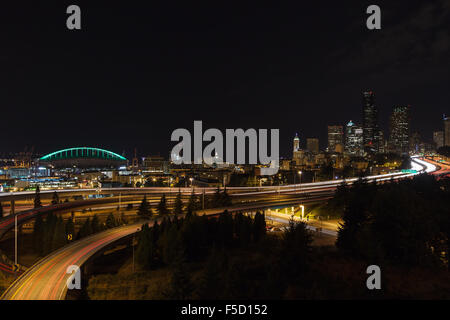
(7, 223)
(46, 280)
(8, 196)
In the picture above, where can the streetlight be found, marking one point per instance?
(303, 211)
(300, 174)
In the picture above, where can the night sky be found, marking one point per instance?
(140, 69)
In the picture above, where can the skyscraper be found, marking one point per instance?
(415, 141)
(446, 131)
(296, 143)
(335, 137)
(370, 122)
(438, 139)
(354, 139)
(400, 127)
(380, 142)
(312, 145)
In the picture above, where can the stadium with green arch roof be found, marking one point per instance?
(83, 157)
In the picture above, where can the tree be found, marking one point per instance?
(259, 226)
(59, 237)
(162, 206)
(55, 199)
(193, 203)
(144, 209)
(225, 229)
(95, 224)
(123, 218)
(146, 249)
(211, 280)
(37, 198)
(142, 249)
(180, 287)
(85, 229)
(243, 228)
(295, 248)
(169, 243)
(178, 204)
(111, 221)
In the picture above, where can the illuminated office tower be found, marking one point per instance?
(312, 145)
(370, 122)
(296, 143)
(438, 139)
(400, 126)
(354, 139)
(446, 131)
(335, 137)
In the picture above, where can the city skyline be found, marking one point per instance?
(199, 153)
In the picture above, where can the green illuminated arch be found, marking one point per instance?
(83, 152)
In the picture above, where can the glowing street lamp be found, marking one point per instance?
(300, 174)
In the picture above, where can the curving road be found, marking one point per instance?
(46, 280)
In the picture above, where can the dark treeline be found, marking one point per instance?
(226, 257)
(403, 223)
(194, 236)
(53, 233)
(221, 198)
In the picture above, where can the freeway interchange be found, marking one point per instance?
(47, 279)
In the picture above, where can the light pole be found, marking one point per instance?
(303, 211)
(300, 174)
(15, 241)
(132, 245)
(203, 199)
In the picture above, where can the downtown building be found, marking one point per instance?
(335, 139)
(400, 129)
(354, 139)
(438, 139)
(296, 143)
(446, 131)
(371, 132)
(312, 145)
(298, 154)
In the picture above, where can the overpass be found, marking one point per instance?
(47, 278)
(304, 189)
